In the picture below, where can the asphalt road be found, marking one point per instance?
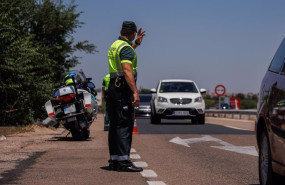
(185, 127)
(59, 160)
(200, 163)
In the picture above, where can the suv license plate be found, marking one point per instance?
(69, 109)
(181, 113)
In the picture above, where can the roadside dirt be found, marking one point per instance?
(4, 131)
(12, 145)
(11, 130)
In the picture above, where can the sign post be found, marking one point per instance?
(220, 90)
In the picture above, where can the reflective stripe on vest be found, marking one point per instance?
(119, 70)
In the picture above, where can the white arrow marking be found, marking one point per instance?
(185, 142)
(179, 141)
(249, 150)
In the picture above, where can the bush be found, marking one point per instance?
(35, 50)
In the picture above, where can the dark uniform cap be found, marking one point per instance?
(129, 25)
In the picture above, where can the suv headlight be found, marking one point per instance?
(161, 99)
(198, 99)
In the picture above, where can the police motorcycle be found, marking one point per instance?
(74, 106)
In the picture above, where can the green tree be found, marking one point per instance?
(210, 103)
(36, 48)
(240, 95)
(248, 104)
(254, 97)
(53, 24)
(145, 91)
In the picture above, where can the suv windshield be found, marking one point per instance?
(185, 87)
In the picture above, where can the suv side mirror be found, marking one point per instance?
(203, 91)
(153, 90)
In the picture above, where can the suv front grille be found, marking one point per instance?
(180, 101)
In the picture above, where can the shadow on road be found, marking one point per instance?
(105, 168)
(69, 139)
(11, 176)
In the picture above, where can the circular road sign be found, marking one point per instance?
(220, 90)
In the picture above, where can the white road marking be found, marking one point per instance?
(249, 150)
(237, 128)
(229, 119)
(148, 173)
(155, 183)
(141, 164)
(179, 141)
(145, 173)
(135, 156)
(186, 142)
(133, 150)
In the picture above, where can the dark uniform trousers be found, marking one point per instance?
(121, 114)
(106, 118)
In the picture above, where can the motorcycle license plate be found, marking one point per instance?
(69, 109)
(181, 113)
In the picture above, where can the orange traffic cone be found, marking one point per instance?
(135, 129)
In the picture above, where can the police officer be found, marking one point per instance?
(123, 96)
(105, 86)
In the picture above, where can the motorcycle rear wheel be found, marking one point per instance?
(86, 133)
(76, 134)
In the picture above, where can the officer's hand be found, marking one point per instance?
(136, 101)
(140, 36)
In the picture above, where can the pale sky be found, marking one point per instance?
(229, 42)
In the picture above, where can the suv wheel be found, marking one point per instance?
(201, 120)
(154, 119)
(266, 174)
(194, 120)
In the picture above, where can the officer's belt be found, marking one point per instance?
(119, 74)
(121, 81)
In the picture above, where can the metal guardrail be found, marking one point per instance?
(233, 114)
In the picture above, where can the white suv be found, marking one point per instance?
(177, 99)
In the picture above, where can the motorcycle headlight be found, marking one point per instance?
(198, 99)
(161, 99)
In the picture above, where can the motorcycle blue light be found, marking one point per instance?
(72, 74)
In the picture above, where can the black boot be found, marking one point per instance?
(128, 166)
(113, 165)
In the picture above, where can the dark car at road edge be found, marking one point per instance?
(270, 122)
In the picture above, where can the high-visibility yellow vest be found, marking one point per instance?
(115, 67)
(68, 80)
(106, 81)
